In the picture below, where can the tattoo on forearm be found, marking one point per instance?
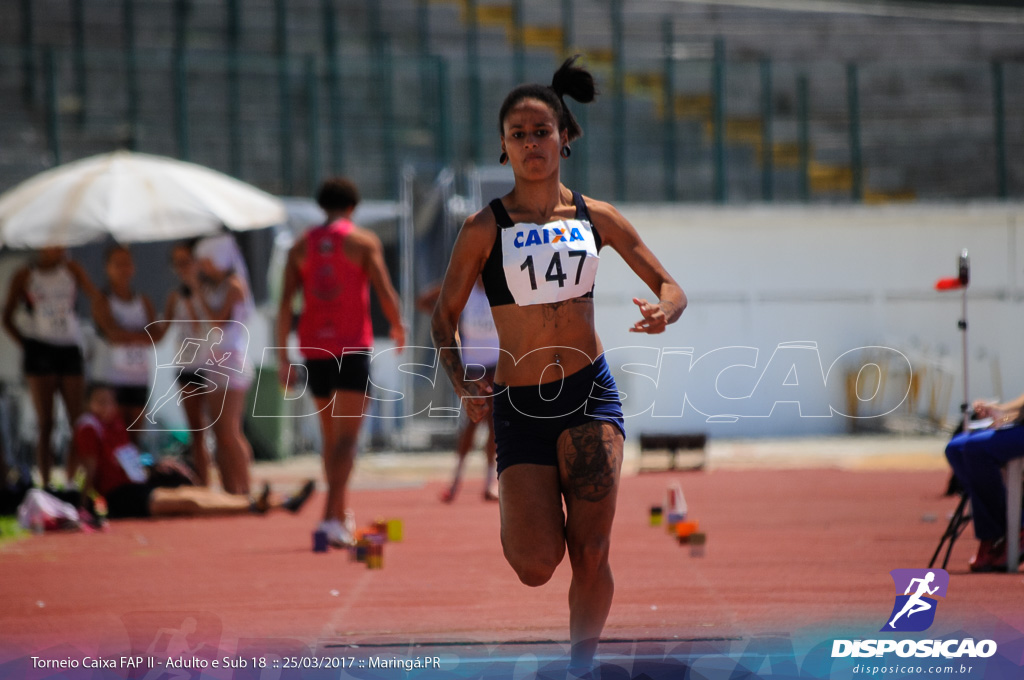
(589, 456)
(448, 355)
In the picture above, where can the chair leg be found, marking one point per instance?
(956, 525)
(965, 519)
(1014, 471)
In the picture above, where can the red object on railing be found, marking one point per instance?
(952, 283)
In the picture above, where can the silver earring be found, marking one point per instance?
(566, 151)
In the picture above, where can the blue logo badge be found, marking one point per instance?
(915, 606)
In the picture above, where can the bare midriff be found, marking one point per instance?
(538, 339)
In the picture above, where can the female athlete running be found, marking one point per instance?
(557, 417)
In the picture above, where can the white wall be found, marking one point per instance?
(841, 277)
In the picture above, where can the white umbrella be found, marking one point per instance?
(130, 197)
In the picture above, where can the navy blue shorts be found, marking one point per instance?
(528, 419)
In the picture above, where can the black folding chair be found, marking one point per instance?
(957, 523)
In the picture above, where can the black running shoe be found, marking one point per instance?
(295, 503)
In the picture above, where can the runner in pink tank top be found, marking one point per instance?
(336, 290)
(334, 266)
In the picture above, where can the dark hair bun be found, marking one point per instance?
(575, 81)
(569, 79)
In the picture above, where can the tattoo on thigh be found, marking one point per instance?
(590, 462)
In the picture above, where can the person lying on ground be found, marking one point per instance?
(114, 470)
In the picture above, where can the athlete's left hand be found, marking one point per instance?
(476, 408)
(654, 320)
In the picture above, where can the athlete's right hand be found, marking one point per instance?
(474, 401)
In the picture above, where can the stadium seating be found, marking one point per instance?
(403, 91)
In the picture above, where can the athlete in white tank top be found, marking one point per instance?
(236, 337)
(180, 318)
(226, 302)
(125, 364)
(50, 342)
(51, 295)
(124, 350)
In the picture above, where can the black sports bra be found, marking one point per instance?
(539, 264)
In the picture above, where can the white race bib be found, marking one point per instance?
(53, 319)
(549, 263)
(129, 362)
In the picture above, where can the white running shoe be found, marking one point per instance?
(337, 534)
(350, 522)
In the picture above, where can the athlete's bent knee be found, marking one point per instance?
(535, 570)
(534, 575)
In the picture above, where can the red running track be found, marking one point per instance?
(792, 551)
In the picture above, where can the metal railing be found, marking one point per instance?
(671, 128)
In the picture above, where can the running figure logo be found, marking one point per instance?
(201, 366)
(914, 610)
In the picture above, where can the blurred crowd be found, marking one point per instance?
(109, 399)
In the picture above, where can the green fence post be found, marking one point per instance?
(131, 73)
(426, 65)
(234, 93)
(804, 132)
(856, 160)
(669, 109)
(374, 30)
(619, 89)
(312, 124)
(518, 46)
(281, 27)
(78, 43)
(567, 27)
(286, 128)
(181, 11)
(581, 154)
(423, 28)
(336, 111)
(181, 96)
(473, 74)
(328, 17)
(330, 21)
(387, 88)
(334, 99)
(52, 112)
(380, 53)
(181, 103)
(767, 140)
(233, 24)
(718, 116)
(999, 114)
(28, 52)
(443, 133)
